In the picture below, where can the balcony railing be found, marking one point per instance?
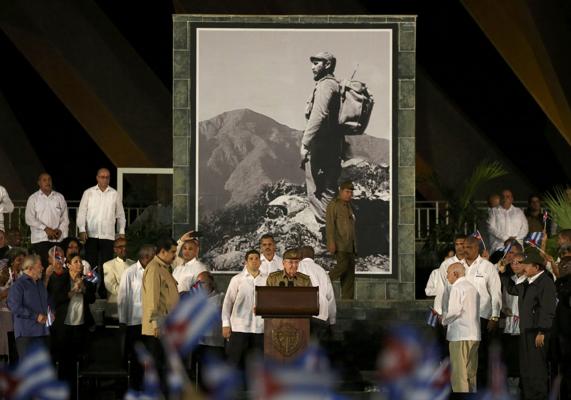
(428, 214)
(17, 218)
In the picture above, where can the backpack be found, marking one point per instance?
(356, 107)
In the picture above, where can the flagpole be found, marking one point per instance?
(538, 248)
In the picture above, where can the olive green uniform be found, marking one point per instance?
(340, 230)
(299, 279)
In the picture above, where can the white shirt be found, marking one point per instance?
(442, 284)
(503, 224)
(6, 205)
(462, 317)
(74, 314)
(432, 284)
(268, 267)
(239, 303)
(534, 277)
(320, 279)
(187, 274)
(98, 212)
(511, 308)
(46, 211)
(130, 305)
(484, 276)
(112, 272)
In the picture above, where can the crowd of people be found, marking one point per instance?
(48, 291)
(506, 288)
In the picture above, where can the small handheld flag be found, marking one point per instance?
(478, 236)
(92, 276)
(432, 318)
(534, 237)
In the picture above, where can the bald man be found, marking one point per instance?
(46, 215)
(100, 209)
(462, 318)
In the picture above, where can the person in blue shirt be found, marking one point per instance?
(28, 302)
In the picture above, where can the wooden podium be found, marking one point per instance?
(286, 312)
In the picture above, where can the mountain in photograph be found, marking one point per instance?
(241, 150)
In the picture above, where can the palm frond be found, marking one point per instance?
(484, 172)
(559, 204)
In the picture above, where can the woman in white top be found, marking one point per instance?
(70, 295)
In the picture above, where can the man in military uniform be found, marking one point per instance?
(289, 276)
(322, 142)
(340, 233)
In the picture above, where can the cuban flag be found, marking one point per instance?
(92, 276)
(222, 379)
(189, 321)
(477, 235)
(305, 378)
(151, 384)
(432, 318)
(409, 367)
(497, 381)
(34, 377)
(534, 239)
(507, 248)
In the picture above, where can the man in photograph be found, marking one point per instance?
(322, 143)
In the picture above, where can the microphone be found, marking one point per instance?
(282, 284)
(289, 283)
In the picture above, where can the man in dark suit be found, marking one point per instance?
(536, 302)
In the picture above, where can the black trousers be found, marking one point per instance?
(24, 343)
(240, 344)
(320, 330)
(42, 248)
(487, 339)
(510, 354)
(155, 348)
(97, 253)
(533, 367)
(132, 336)
(563, 357)
(199, 355)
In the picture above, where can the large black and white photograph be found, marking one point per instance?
(282, 117)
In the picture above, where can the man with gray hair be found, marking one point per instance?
(130, 307)
(322, 143)
(99, 216)
(28, 302)
(463, 334)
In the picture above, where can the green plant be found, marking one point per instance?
(559, 204)
(461, 212)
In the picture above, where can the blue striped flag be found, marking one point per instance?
(507, 248)
(432, 317)
(193, 316)
(222, 379)
(409, 367)
(534, 239)
(308, 377)
(151, 383)
(34, 377)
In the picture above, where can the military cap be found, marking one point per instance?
(347, 185)
(323, 56)
(291, 254)
(532, 256)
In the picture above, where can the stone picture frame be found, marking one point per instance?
(399, 283)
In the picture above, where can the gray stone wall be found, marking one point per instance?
(376, 288)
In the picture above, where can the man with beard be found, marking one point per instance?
(322, 142)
